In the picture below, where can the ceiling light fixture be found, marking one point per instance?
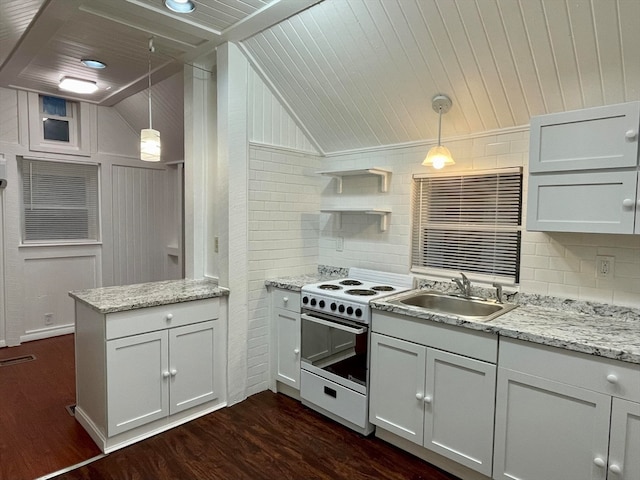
(439, 156)
(180, 6)
(149, 138)
(88, 62)
(77, 85)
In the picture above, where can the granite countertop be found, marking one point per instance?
(608, 331)
(296, 282)
(577, 326)
(142, 295)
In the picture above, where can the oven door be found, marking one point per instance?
(336, 349)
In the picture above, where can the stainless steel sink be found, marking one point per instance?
(465, 307)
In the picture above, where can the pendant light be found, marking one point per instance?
(439, 156)
(150, 138)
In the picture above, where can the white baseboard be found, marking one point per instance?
(47, 332)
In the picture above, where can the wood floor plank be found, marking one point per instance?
(268, 436)
(38, 436)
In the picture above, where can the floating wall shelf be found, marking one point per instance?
(382, 212)
(338, 174)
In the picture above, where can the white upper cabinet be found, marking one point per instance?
(583, 168)
(594, 138)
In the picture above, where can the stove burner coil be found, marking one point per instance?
(329, 286)
(360, 292)
(350, 282)
(383, 288)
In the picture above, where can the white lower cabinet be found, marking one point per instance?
(560, 415)
(173, 372)
(147, 370)
(549, 430)
(624, 444)
(440, 400)
(287, 352)
(285, 339)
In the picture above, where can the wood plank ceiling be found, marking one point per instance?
(362, 73)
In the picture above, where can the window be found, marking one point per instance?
(468, 223)
(58, 125)
(60, 201)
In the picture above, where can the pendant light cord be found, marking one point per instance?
(439, 123)
(151, 49)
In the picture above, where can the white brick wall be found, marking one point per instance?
(557, 264)
(284, 200)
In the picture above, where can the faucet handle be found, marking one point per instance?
(498, 291)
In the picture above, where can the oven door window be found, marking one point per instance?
(336, 347)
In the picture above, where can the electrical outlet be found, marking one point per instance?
(339, 244)
(604, 267)
(48, 318)
(216, 244)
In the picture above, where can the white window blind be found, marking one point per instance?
(468, 223)
(60, 201)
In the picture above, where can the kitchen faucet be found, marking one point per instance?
(464, 285)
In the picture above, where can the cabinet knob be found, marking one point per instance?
(285, 300)
(599, 462)
(631, 134)
(628, 203)
(173, 372)
(613, 468)
(419, 396)
(165, 374)
(611, 378)
(169, 317)
(296, 351)
(427, 399)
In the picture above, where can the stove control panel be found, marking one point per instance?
(355, 311)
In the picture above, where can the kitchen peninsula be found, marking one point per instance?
(149, 357)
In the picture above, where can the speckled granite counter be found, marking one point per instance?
(131, 297)
(296, 282)
(613, 333)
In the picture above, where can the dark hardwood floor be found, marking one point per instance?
(37, 434)
(268, 436)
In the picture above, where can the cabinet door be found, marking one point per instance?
(287, 328)
(459, 409)
(593, 138)
(191, 365)
(397, 386)
(137, 381)
(595, 202)
(549, 430)
(624, 444)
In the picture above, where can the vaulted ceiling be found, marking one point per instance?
(353, 73)
(362, 73)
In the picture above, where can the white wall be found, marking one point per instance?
(37, 278)
(556, 264)
(283, 238)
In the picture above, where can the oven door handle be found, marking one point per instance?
(336, 325)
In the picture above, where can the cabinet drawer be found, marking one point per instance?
(132, 322)
(287, 299)
(466, 342)
(619, 379)
(341, 401)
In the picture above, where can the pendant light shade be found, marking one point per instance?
(150, 148)
(150, 145)
(439, 156)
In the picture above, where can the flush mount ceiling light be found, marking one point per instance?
(91, 63)
(439, 156)
(150, 148)
(180, 6)
(76, 85)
